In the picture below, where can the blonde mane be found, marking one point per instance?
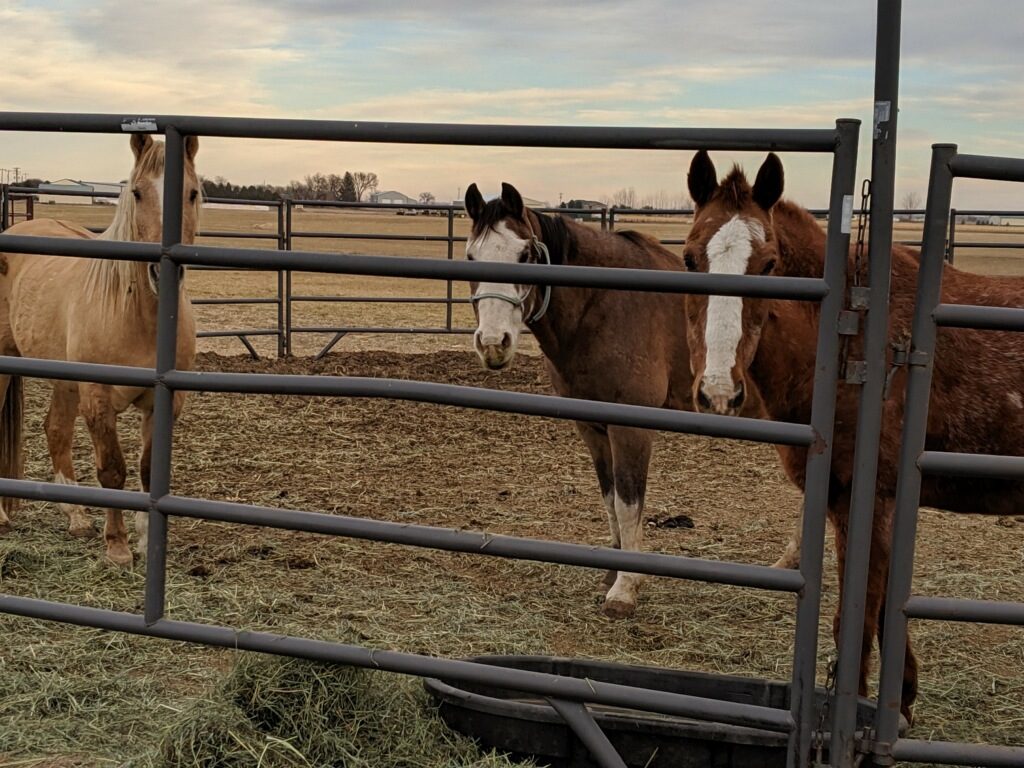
(114, 283)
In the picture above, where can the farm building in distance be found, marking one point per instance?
(391, 197)
(55, 192)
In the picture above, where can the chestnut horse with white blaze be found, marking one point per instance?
(94, 311)
(977, 397)
(619, 346)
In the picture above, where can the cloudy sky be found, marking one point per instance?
(787, 63)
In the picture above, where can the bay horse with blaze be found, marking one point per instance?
(977, 397)
(610, 345)
(94, 311)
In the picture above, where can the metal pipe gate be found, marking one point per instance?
(568, 694)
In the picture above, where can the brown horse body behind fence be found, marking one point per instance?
(620, 346)
(95, 311)
(977, 398)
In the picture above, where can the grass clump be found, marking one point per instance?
(289, 713)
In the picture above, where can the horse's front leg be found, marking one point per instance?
(631, 456)
(145, 462)
(596, 440)
(101, 419)
(791, 556)
(60, 433)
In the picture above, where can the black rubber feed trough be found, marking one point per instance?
(528, 728)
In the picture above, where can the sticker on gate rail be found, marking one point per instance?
(139, 124)
(846, 222)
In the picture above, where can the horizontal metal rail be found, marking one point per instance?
(241, 332)
(492, 545)
(552, 406)
(987, 167)
(979, 317)
(648, 280)
(240, 300)
(81, 248)
(958, 609)
(344, 329)
(65, 370)
(377, 236)
(380, 299)
(462, 134)
(980, 465)
(954, 753)
(539, 683)
(85, 495)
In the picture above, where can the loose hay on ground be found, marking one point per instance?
(73, 693)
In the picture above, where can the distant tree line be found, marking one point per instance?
(352, 186)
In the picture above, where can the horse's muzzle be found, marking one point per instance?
(720, 404)
(495, 356)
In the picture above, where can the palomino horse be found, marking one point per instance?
(622, 346)
(976, 399)
(95, 311)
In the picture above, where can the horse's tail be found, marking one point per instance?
(12, 413)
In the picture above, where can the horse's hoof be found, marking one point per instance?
(83, 531)
(618, 609)
(609, 578)
(121, 556)
(6, 527)
(787, 563)
(908, 713)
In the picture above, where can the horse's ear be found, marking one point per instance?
(140, 143)
(191, 147)
(511, 199)
(474, 202)
(702, 178)
(770, 182)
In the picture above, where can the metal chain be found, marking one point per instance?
(819, 735)
(862, 225)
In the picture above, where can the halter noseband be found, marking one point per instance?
(519, 301)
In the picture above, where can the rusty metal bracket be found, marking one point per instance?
(856, 372)
(860, 297)
(849, 323)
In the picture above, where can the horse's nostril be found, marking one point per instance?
(506, 340)
(737, 399)
(702, 399)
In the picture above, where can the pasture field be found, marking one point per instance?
(208, 284)
(81, 697)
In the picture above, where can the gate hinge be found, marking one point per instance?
(849, 323)
(880, 751)
(856, 371)
(860, 297)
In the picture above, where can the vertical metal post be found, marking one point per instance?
(604, 219)
(951, 240)
(611, 219)
(869, 414)
(281, 343)
(288, 280)
(819, 456)
(168, 300)
(4, 205)
(451, 255)
(915, 418)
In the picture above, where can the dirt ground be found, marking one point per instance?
(71, 696)
(70, 691)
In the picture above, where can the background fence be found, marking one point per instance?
(286, 235)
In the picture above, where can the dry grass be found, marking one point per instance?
(70, 693)
(79, 697)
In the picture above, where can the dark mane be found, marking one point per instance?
(555, 233)
(735, 189)
(493, 214)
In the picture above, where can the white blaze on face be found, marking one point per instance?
(728, 254)
(158, 185)
(497, 317)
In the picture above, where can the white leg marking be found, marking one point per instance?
(142, 532)
(624, 590)
(67, 509)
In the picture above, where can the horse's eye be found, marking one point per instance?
(691, 265)
(194, 194)
(469, 257)
(768, 266)
(524, 256)
(137, 194)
